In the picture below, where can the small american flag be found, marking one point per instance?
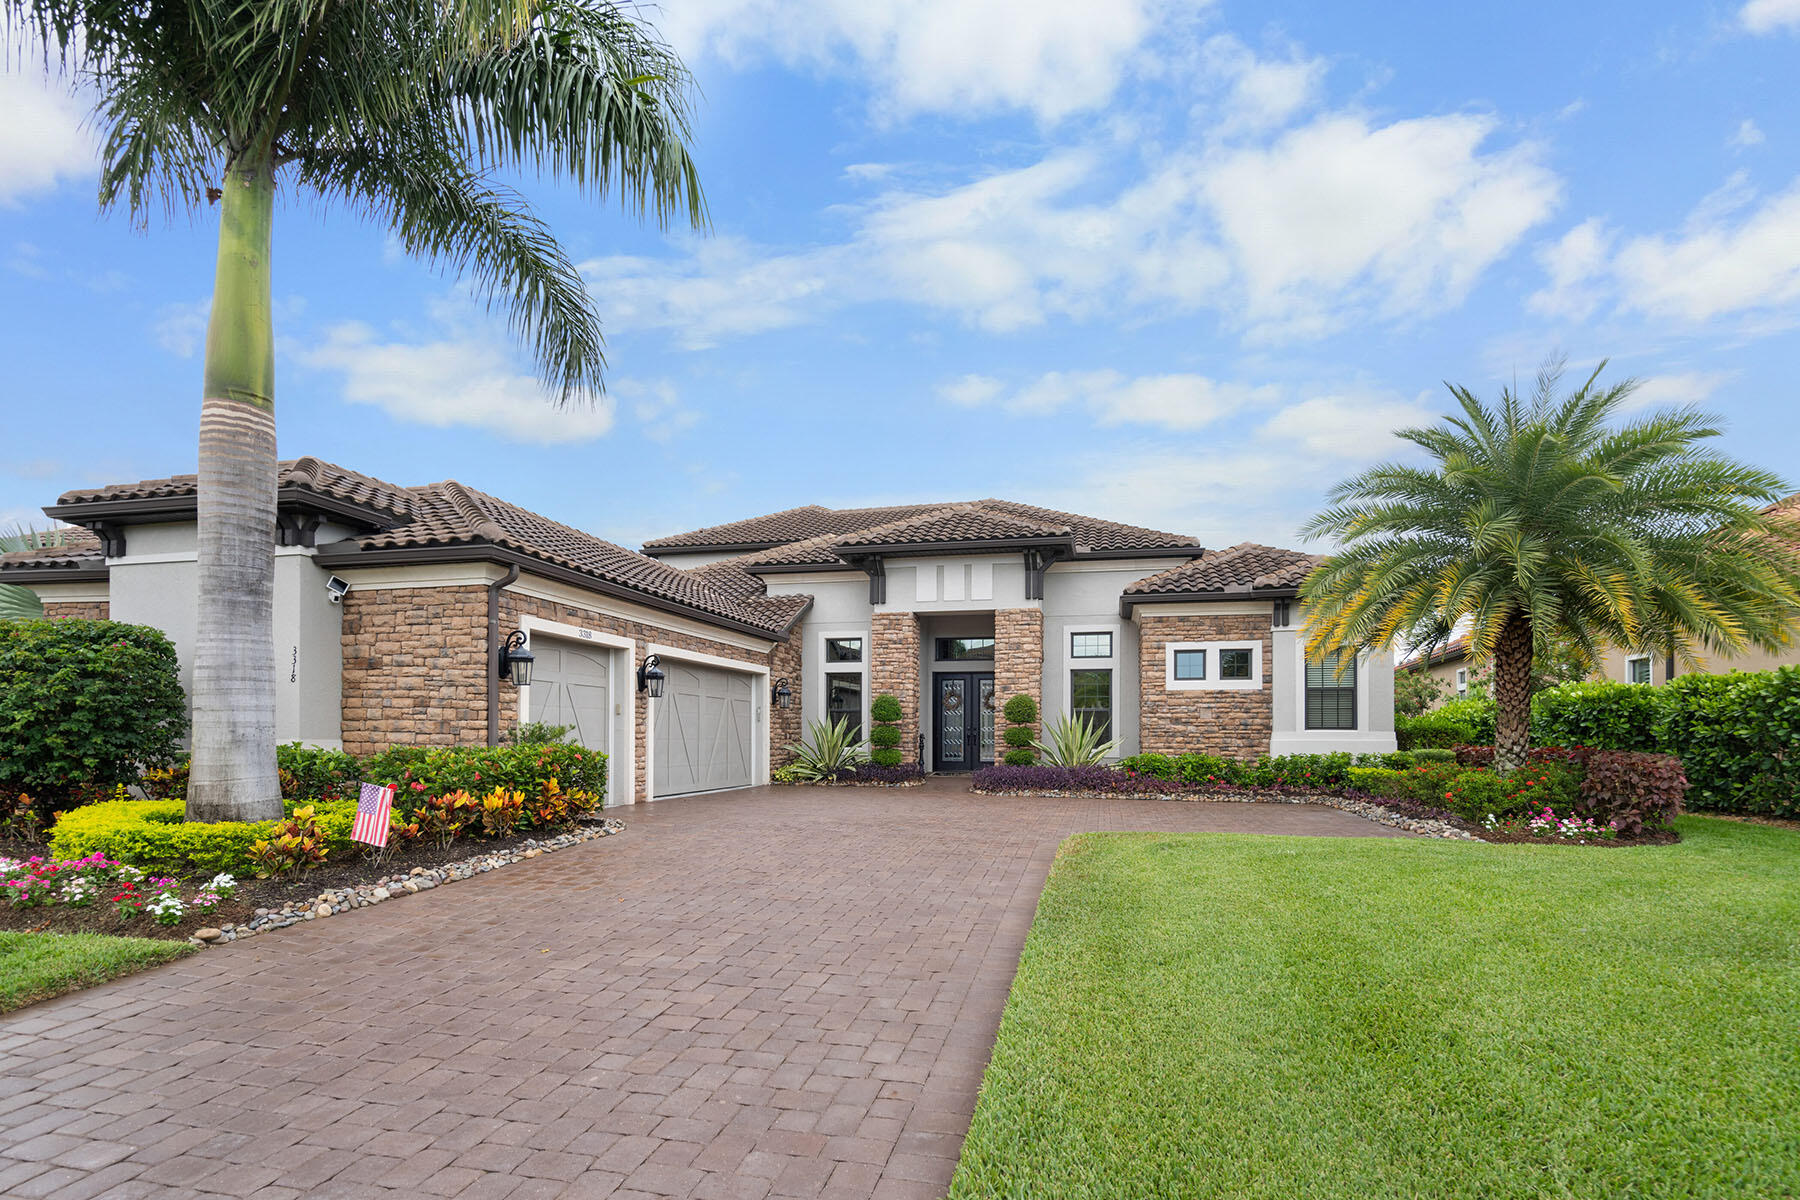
(372, 815)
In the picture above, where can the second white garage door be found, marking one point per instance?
(703, 730)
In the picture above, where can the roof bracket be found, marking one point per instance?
(1036, 563)
(112, 538)
(877, 569)
(297, 529)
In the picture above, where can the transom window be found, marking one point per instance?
(1090, 645)
(1234, 664)
(1090, 699)
(1330, 693)
(844, 650)
(1190, 664)
(956, 649)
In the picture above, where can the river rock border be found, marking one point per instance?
(333, 901)
(1368, 810)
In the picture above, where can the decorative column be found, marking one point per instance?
(1019, 658)
(894, 669)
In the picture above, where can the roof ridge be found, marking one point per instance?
(464, 500)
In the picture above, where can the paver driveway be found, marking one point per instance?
(774, 992)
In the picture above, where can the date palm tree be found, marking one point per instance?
(403, 111)
(1554, 520)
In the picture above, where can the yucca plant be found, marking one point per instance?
(403, 112)
(1074, 742)
(830, 750)
(1549, 520)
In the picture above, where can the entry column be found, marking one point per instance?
(894, 669)
(1019, 657)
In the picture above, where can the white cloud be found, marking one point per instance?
(458, 381)
(181, 328)
(657, 407)
(1346, 427)
(1575, 263)
(1768, 16)
(1723, 261)
(1260, 93)
(1747, 134)
(1678, 388)
(42, 140)
(960, 57)
(1175, 402)
(1334, 221)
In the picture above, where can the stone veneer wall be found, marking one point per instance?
(1018, 662)
(785, 726)
(1233, 723)
(894, 669)
(416, 665)
(77, 610)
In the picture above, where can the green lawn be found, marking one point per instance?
(1212, 1015)
(37, 966)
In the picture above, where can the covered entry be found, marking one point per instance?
(705, 726)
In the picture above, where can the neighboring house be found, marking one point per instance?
(760, 626)
(1452, 664)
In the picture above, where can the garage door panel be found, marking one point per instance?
(572, 685)
(703, 731)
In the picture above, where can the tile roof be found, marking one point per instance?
(1457, 647)
(453, 514)
(305, 474)
(63, 547)
(958, 523)
(1245, 568)
(788, 525)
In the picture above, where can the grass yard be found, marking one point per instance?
(37, 966)
(1204, 1015)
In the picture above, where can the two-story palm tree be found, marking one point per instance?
(1552, 519)
(402, 111)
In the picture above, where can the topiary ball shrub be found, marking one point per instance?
(885, 756)
(884, 735)
(885, 707)
(1021, 710)
(85, 704)
(1019, 756)
(1018, 736)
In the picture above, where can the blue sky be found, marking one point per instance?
(1182, 264)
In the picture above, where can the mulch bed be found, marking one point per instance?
(1667, 837)
(251, 895)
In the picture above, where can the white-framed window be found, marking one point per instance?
(1331, 691)
(1202, 666)
(1462, 683)
(1637, 669)
(1091, 643)
(1091, 682)
(842, 688)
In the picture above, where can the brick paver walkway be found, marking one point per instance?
(777, 992)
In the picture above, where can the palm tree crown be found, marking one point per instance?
(1551, 518)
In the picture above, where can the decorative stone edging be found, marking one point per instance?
(332, 901)
(1378, 813)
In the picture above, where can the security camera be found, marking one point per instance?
(337, 589)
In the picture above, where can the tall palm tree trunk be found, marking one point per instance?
(1512, 692)
(233, 776)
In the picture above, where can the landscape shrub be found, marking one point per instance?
(1456, 722)
(85, 705)
(1021, 712)
(1300, 770)
(874, 772)
(1473, 795)
(1393, 760)
(1632, 790)
(152, 835)
(884, 738)
(416, 771)
(1738, 739)
(1014, 778)
(315, 773)
(1601, 715)
(1427, 754)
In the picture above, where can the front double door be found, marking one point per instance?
(962, 721)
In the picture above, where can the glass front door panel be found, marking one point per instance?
(986, 688)
(953, 719)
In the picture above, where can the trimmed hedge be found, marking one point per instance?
(1737, 735)
(884, 739)
(434, 770)
(1455, 723)
(1204, 770)
(152, 834)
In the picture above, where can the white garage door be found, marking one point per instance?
(703, 730)
(571, 685)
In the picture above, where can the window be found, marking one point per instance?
(1090, 699)
(956, 649)
(843, 649)
(1331, 694)
(1234, 664)
(1212, 666)
(1090, 645)
(1637, 669)
(843, 700)
(1190, 664)
(1462, 683)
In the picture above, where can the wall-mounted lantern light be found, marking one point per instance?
(516, 660)
(650, 677)
(781, 695)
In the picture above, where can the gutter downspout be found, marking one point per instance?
(493, 656)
